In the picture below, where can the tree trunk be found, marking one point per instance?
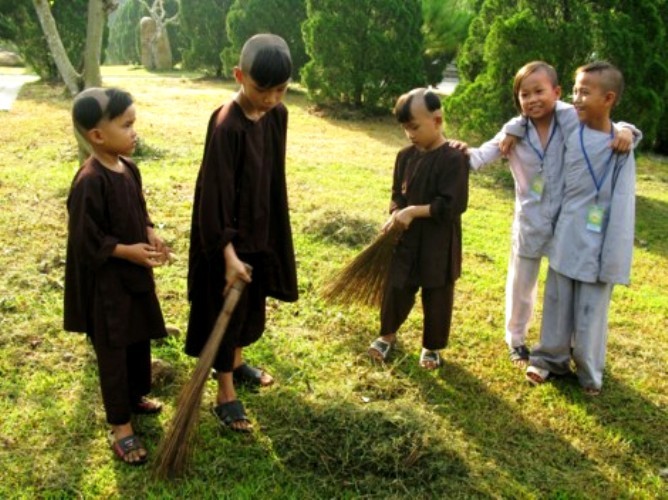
(93, 50)
(69, 75)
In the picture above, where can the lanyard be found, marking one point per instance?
(597, 182)
(539, 153)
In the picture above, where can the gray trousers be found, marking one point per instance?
(575, 323)
(520, 297)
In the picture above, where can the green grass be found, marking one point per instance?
(335, 425)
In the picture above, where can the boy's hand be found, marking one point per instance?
(235, 269)
(460, 145)
(507, 144)
(388, 223)
(403, 218)
(622, 142)
(141, 254)
(156, 241)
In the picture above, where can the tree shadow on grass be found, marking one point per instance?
(652, 225)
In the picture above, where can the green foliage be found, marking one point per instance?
(445, 26)
(204, 34)
(19, 24)
(280, 17)
(565, 33)
(363, 53)
(124, 37)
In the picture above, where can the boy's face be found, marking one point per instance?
(260, 100)
(116, 136)
(424, 128)
(592, 102)
(538, 96)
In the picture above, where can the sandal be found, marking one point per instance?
(536, 376)
(429, 359)
(146, 406)
(123, 447)
(229, 413)
(519, 356)
(247, 374)
(380, 349)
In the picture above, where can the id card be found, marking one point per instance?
(536, 187)
(595, 218)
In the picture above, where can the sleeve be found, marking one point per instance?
(219, 185)
(515, 126)
(452, 197)
(637, 134)
(398, 200)
(486, 153)
(87, 225)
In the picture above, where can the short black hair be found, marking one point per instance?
(266, 59)
(402, 109)
(89, 108)
(611, 77)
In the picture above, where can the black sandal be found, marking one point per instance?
(519, 356)
(247, 374)
(146, 406)
(123, 447)
(229, 413)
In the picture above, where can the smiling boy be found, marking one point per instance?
(593, 241)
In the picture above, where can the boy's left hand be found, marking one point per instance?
(403, 218)
(622, 142)
(507, 144)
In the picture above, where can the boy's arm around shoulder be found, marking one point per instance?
(487, 153)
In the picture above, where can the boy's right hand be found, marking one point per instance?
(235, 269)
(507, 144)
(141, 254)
(459, 145)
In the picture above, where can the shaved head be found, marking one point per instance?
(95, 104)
(266, 59)
(414, 102)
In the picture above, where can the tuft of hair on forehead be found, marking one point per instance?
(95, 104)
(529, 69)
(402, 108)
(266, 59)
(611, 78)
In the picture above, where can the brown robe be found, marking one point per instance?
(240, 197)
(429, 252)
(104, 295)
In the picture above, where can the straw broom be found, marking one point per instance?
(363, 280)
(174, 451)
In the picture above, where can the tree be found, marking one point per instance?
(90, 74)
(204, 34)
(506, 35)
(156, 51)
(364, 53)
(280, 17)
(445, 27)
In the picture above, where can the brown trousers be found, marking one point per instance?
(437, 307)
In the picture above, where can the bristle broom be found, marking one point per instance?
(174, 452)
(363, 280)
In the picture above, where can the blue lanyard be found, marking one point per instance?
(597, 182)
(539, 153)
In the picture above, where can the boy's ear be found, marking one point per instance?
(610, 98)
(238, 75)
(557, 91)
(95, 136)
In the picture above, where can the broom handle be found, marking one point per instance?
(210, 350)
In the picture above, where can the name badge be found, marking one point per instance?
(595, 215)
(536, 187)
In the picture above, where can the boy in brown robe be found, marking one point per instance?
(111, 250)
(240, 215)
(429, 194)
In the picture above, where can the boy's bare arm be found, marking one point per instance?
(141, 254)
(404, 217)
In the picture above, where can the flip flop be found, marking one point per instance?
(229, 413)
(247, 374)
(146, 406)
(431, 357)
(380, 349)
(536, 376)
(122, 447)
(519, 356)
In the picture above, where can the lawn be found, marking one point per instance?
(334, 425)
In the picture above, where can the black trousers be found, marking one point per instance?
(125, 376)
(437, 307)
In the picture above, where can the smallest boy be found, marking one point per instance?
(593, 240)
(429, 194)
(111, 250)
